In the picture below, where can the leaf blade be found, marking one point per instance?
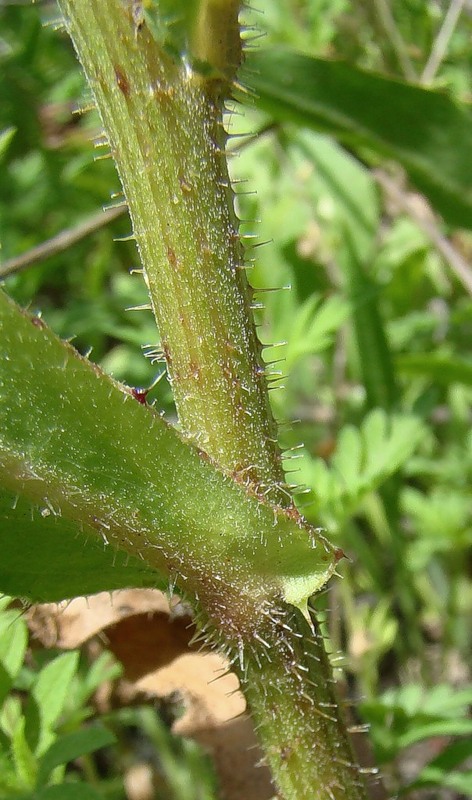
(97, 457)
(415, 126)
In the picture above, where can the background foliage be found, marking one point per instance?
(377, 324)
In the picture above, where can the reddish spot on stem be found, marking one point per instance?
(339, 554)
(172, 257)
(122, 81)
(167, 355)
(293, 513)
(140, 395)
(38, 322)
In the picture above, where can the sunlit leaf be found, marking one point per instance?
(425, 131)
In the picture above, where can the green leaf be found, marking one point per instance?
(450, 727)
(314, 327)
(104, 668)
(71, 746)
(348, 459)
(10, 715)
(452, 755)
(439, 771)
(458, 782)
(440, 521)
(412, 713)
(436, 367)
(365, 458)
(48, 698)
(446, 701)
(10, 784)
(48, 558)
(13, 642)
(442, 701)
(78, 444)
(339, 175)
(5, 138)
(375, 361)
(26, 765)
(425, 131)
(67, 791)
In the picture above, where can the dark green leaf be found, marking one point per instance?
(437, 368)
(67, 791)
(13, 642)
(425, 131)
(71, 746)
(49, 558)
(79, 445)
(48, 699)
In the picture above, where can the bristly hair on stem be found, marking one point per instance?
(161, 95)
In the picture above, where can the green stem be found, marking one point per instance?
(290, 688)
(164, 123)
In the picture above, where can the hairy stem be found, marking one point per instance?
(305, 739)
(164, 126)
(163, 117)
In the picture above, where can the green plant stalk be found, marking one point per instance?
(299, 718)
(90, 453)
(164, 123)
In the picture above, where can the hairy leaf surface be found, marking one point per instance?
(79, 445)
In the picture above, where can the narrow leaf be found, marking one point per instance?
(436, 367)
(454, 727)
(71, 746)
(25, 763)
(425, 131)
(48, 699)
(13, 642)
